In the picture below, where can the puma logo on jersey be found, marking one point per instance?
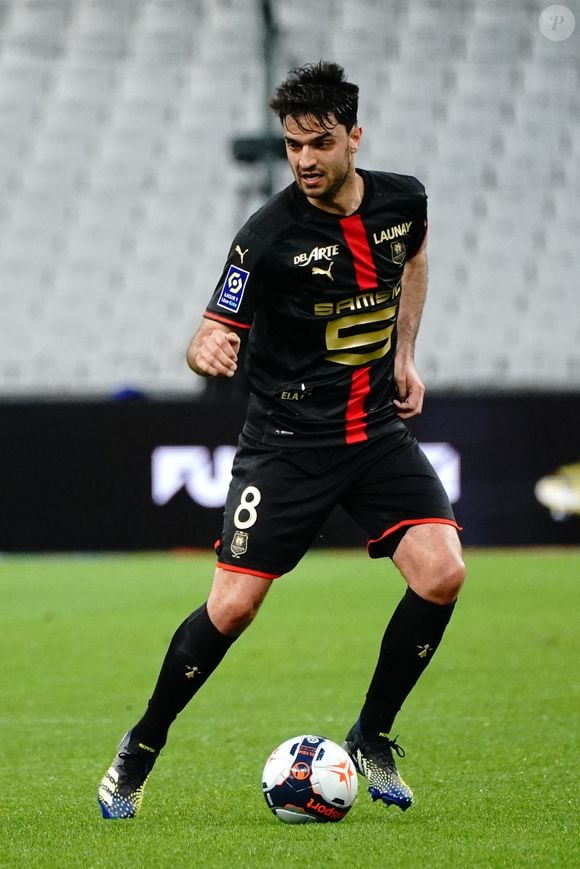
(241, 252)
(316, 270)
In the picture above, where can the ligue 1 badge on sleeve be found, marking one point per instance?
(233, 289)
(239, 544)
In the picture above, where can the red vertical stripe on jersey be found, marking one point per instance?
(366, 277)
(358, 244)
(356, 418)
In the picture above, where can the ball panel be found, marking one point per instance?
(294, 816)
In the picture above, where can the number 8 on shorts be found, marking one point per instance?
(246, 514)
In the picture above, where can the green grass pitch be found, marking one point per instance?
(490, 731)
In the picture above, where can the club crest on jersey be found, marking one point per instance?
(239, 544)
(398, 252)
(233, 289)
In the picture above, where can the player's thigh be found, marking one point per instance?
(273, 512)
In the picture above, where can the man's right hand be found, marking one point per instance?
(214, 352)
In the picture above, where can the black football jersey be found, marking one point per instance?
(319, 294)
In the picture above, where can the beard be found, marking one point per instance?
(334, 180)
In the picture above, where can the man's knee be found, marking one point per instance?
(234, 600)
(446, 579)
(439, 580)
(429, 557)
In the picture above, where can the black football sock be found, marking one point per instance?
(194, 653)
(410, 640)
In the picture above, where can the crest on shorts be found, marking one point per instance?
(398, 252)
(239, 544)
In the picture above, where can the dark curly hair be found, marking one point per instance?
(317, 91)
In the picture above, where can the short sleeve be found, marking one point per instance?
(241, 283)
(420, 221)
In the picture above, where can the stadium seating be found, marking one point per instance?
(120, 193)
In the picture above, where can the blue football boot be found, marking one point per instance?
(374, 759)
(121, 788)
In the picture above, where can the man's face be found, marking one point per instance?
(322, 158)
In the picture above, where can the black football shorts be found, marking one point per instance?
(279, 498)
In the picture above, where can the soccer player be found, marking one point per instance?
(329, 279)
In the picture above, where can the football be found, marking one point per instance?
(309, 779)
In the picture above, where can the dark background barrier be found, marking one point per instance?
(78, 475)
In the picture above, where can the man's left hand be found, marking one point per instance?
(410, 389)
